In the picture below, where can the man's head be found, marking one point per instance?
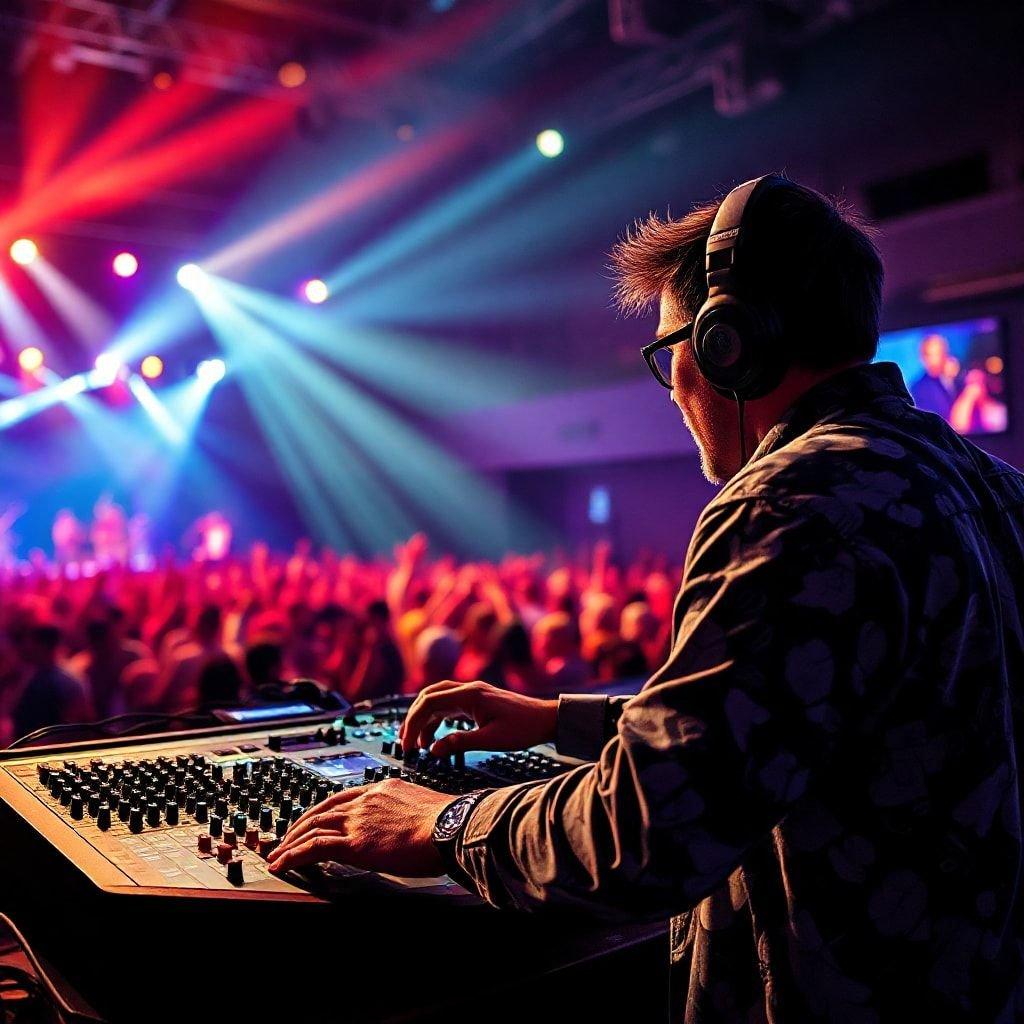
(934, 353)
(804, 255)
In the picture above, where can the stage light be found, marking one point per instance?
(192, 277)
(550, 143)
(24, 251)
(152, 367)
(291, 74)
(126, 264)
(30, 359)
(315, 291)
(108, 366)
(163, 80)
(211, 370)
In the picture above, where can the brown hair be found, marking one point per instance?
(809, 256)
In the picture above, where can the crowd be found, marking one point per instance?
(184, 635)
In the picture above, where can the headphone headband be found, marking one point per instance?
(726, 232)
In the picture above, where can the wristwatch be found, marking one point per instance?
(447, 829)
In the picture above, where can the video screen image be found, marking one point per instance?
(956, 370)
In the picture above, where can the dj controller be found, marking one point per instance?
(138, 866)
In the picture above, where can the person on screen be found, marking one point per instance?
(933, 391)
(975, 410)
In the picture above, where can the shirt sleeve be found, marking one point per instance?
(586, 721)
(783, 631)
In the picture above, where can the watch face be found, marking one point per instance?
(452, 817)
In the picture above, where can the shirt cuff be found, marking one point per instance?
(581, 727)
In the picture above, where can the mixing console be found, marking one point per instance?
(205, 814)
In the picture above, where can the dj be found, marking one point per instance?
(822, 779)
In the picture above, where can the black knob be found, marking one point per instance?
(286, 807)
(254, 806)
(266, 819)
(103, 817)
(280, 827)
(221, 807)
(56, 784)
(322, 792)
(190, 804)
(305, 795)
(398, 751)
(387, 747)
(233, 794)
(217, 771)
(171, 812)
(124, 810)
(153, 814)
(240, 822)
(76, 807)
(94, 804)
(135, 819)
(43, 771)
(235, 876)
(297, 811)
(66, 794)
(202, 812)
(368, 772)
(274, 742)
(216, 826)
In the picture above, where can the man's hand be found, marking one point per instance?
(384, 827)
(504, 720)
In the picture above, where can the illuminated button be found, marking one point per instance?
(205, 842)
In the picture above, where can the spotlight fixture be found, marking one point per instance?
(30, 359)
(550, 143)
(211, 370)
(126, 264)
(192, 277)
(315, 291)
(163, 80)
(152, 367)
(24, 251)
(292, 74)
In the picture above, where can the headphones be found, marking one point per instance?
(737, 343)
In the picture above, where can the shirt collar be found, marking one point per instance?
(844, 392)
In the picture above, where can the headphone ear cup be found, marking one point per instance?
(737, 348)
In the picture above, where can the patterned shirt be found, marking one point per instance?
(821, 782)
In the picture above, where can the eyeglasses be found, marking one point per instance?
(658, 355)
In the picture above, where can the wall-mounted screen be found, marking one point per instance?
(957, 370)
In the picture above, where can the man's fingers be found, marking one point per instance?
(435, 707)
(484, 738)
(322, 811)
(317, 846)
(415, 707)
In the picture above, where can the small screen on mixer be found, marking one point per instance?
(262, 714)
(349, 763)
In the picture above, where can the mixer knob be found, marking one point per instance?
(204, 842)
(254, 807)
(66, 794)
(104, 792)
(190, 804)
(240, 822)
(305, 795)
(201, 760)
(113, 801)
(235, 875)
(233, 794)
(387, 747)
(395, 771)
(153, 814)
(286, 807)
(103, 817)
(43, 770)
(280, 827)
(379, 774)
(398, 751)
(368, 772)
(56, 785)
(252, 837)
(124, 810)
(94, 804)
(239, 770)
(171, 812)
(274, 742)
(135, 819)
(268, 843)
(297, 812)
(76, 807)
(70, 766)
(322, 792)
(230, 838)
(224, 852)
(217, 772)
(202, 812)
(266, 819)
(180, 796)
(221, 806)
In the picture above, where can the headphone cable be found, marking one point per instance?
(743, 437)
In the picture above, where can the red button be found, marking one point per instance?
(205, 842)
(224, 853)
